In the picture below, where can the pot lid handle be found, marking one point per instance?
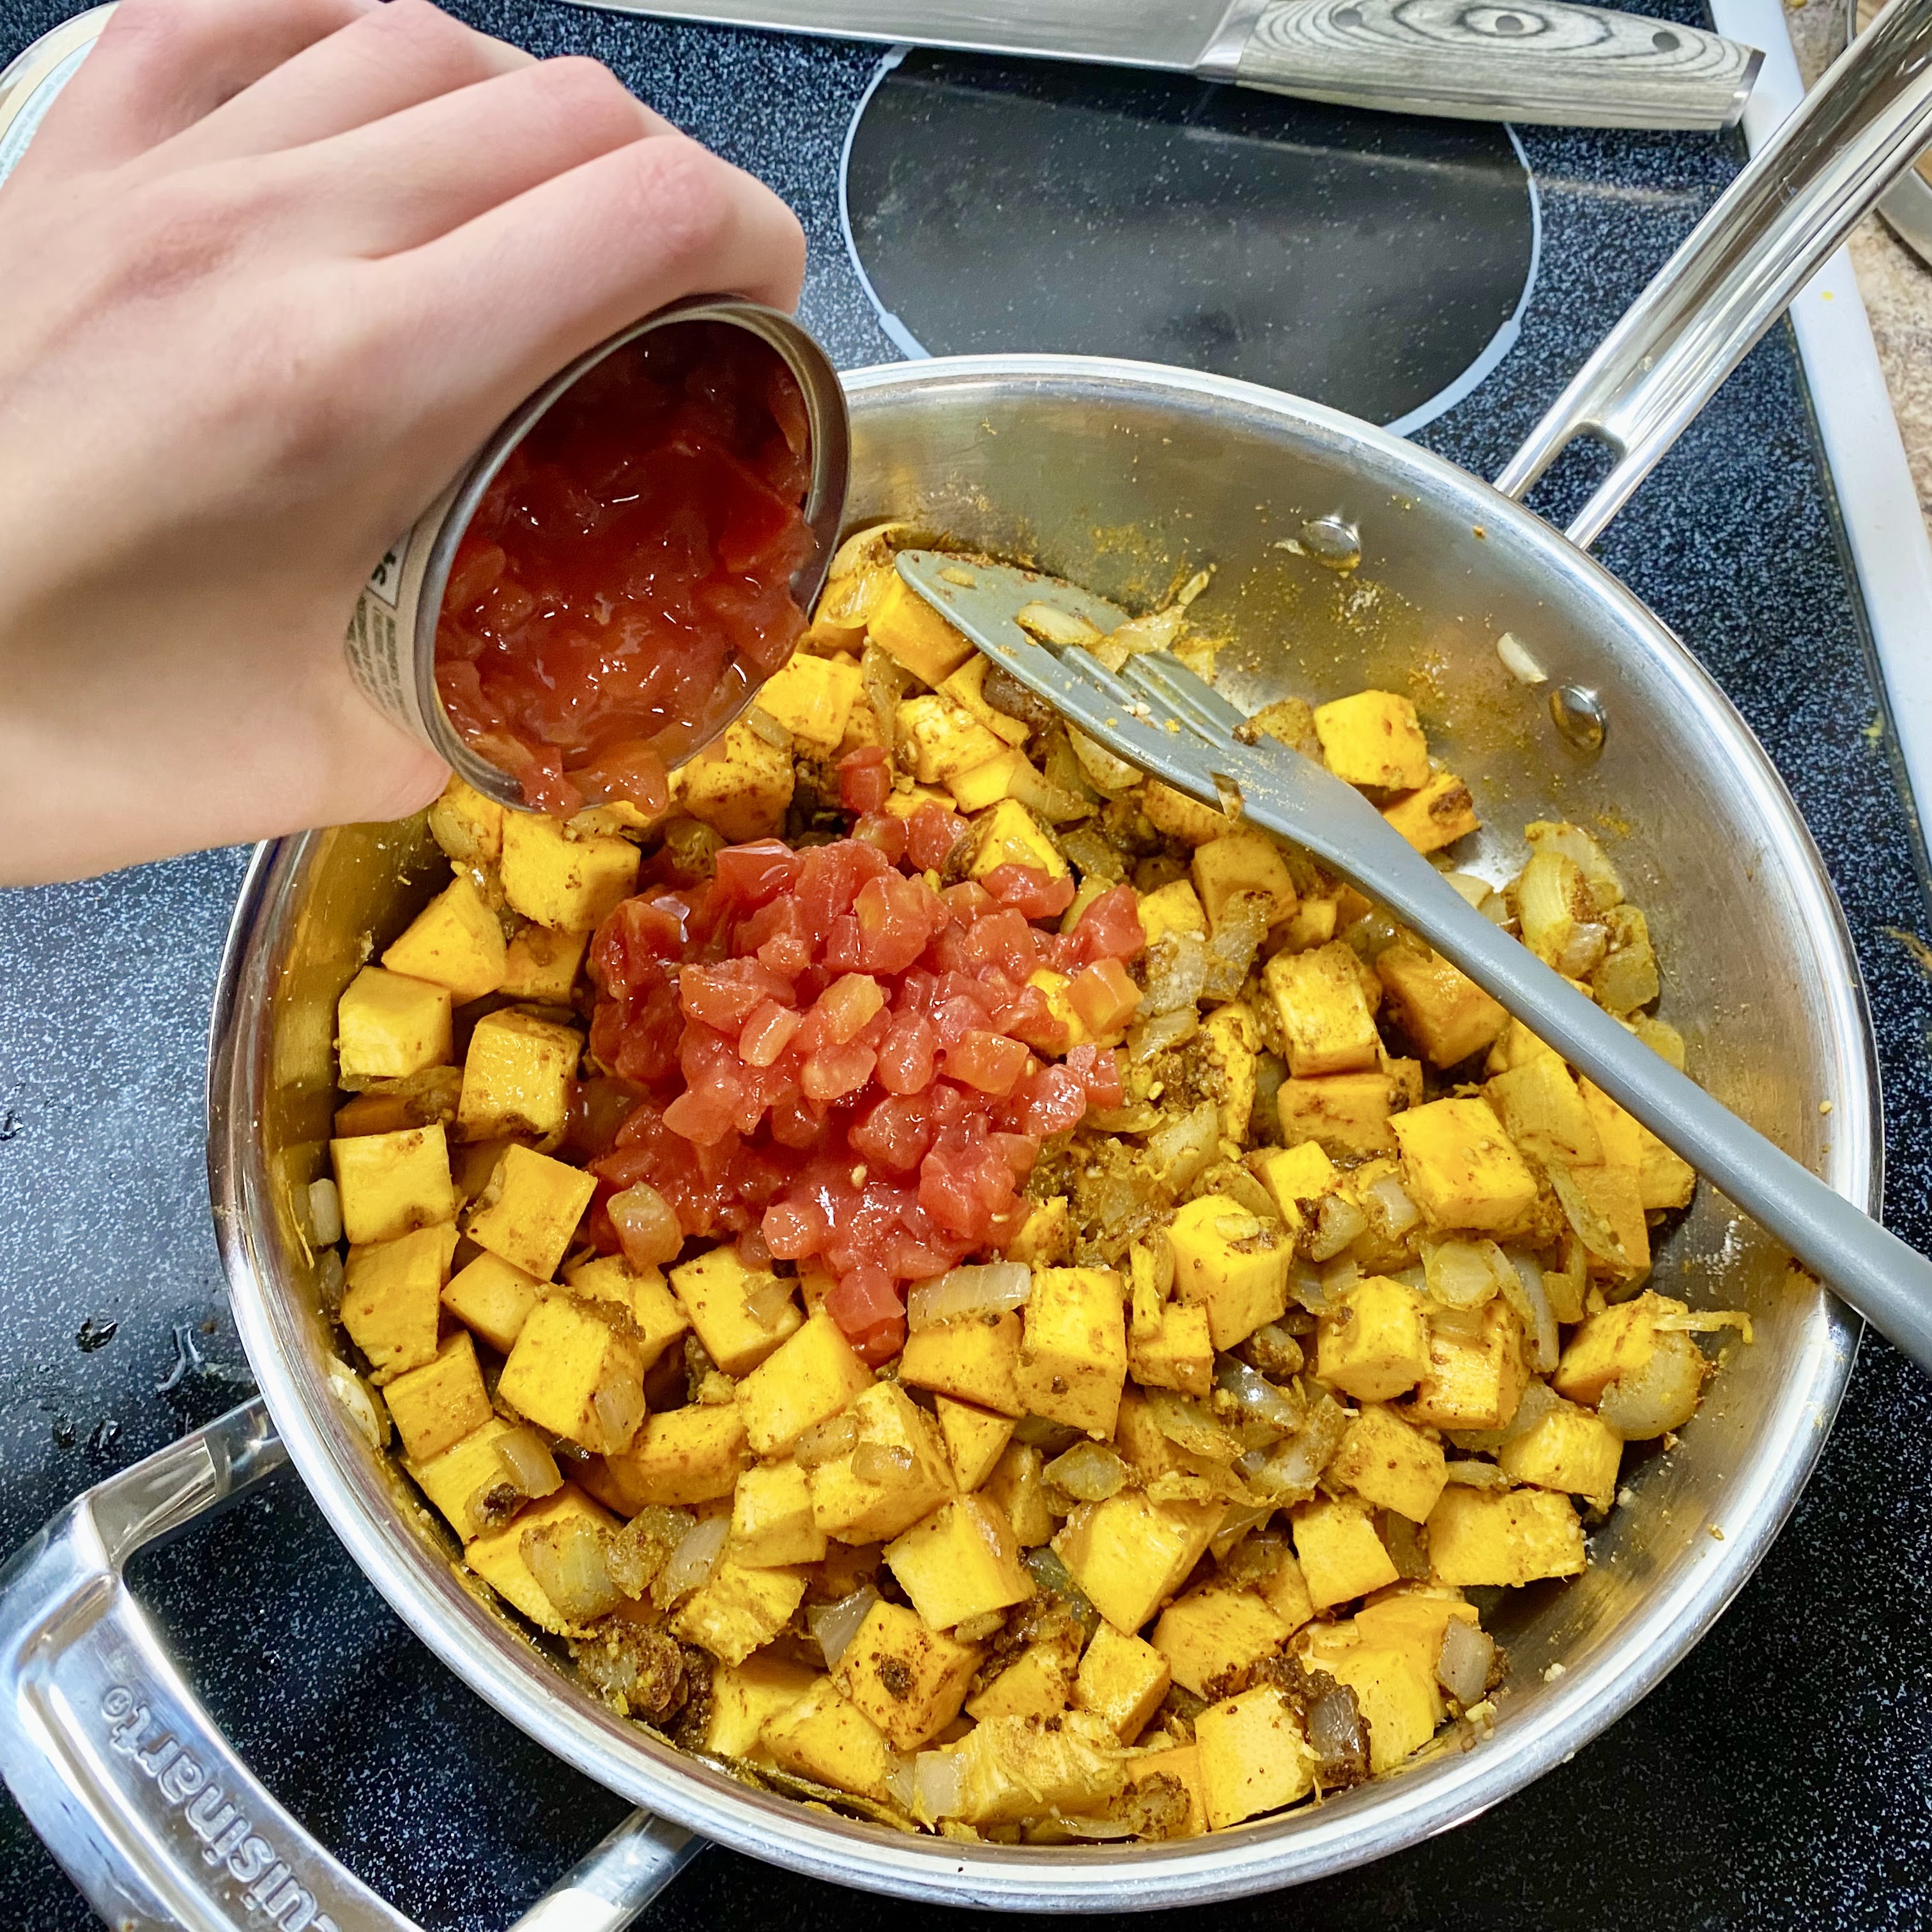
(1771, 229)
(126, 1778)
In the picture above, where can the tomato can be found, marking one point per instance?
(29, 82)
(391, 639)
(391, 636)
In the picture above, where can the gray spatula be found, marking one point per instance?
(1158, 715)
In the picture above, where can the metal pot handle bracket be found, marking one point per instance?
(128, 1780)
(1764, 238)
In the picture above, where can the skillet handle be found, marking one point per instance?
(1771, 229)
(123, 1774)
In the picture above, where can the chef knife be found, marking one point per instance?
(1545, 61)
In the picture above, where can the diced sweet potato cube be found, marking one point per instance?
(517, 1079)
(729, 1304)
(1180, 816)
(685, 1456)
(1544, 1112)
(740, 786)
(1390, 1464)
(1072, 1360)
(1340, 1554)
(1285, 1591)
(908, 629)
(498, 1558)
(1130, 1555)
(1231, 1262)
(1254, 1757)
(1373, 1343)
(1570, 1450)
(1016, 1768)
(740, 1610)
(1395, 1691)
(1243, 862)
(436, 1406)
(1122, 1678)
(807, 1379)
(451, 1479)
(1327, 1023)
(1372, 739)
(745, 1696)
(1232, 1041)
(962, 1560)
(1045, 1237)
(895, 1473)
(1473, 1381)
(1342, 1113)
(826, 1738)
(568, 884)
(1481, 1536)
(1174, 907)
(1179, 1354)
(1462, 1171)
(654, 1310)
(1614, 1342)
(1037, 1683)
(1009, 835)
(1294, 1176)
(771, 1519)
(1435, 814)
(909, 1679)
(391, 1184)
(466, 825)
(492, 1297)
(391, 1298)
(388, 1026)
(967, 687)
(812, 697)
(972, 1359)
(1017, 1488)
(542, 965)
(1212, 1630)
(1444, 1011)
(975, 1440)
(573, 1374)
(1617, 1195)
(944, 739)
(530, 1209)
(455, 942)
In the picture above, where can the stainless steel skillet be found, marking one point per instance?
(1112, 473)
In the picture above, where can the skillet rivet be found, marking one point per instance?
(1579, 717)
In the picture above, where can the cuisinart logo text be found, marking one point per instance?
(228, 1839)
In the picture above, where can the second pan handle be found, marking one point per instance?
(1767, 235)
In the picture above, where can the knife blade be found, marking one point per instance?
(1548, 61)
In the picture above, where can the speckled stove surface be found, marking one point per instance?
(1783, 1774)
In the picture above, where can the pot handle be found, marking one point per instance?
(127, 1780)
(1773, 228)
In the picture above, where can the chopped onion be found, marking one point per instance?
(694, 1562)
(566, 1557)
(618, 1408)
(1338, 1221)
(527, 1461)
(834, 1625)
(1190, 1423)
(1052, 624)
(1399, 1213)
(1089, 1472)
(325, 1213)
(1340, 1276)
(1339, 1736)
(637, 1553)
(1304, 1286)
(1177, 973)
(766, 1305)
(938, 1783)
(1517, 661)
(887, 1464)
(1521, 1280)
(1236, 939)
(761, 724)
(1267, 1413)
(1459, 1274)
(332, 1279)
(1236, 1527)
(826, 1442)
(1091, 855)
(899, 1785)
(1661, 1395)
(1591, 1229)
(990, 1287)
(1161, 1032)
(1462, 1666)
(1474, 1475)
(1111, 776)
(647, 1226)
(1702, 1322)
(1291, 1470)
(1539, 1399)
(1042, 796)
(1182, 1146)
(884, 681)
(371, 1420)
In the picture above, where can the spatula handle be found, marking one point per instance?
(1544, 61)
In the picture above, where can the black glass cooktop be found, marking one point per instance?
(1779, 1776)
(1372, 262)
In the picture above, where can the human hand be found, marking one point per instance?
(273, 268)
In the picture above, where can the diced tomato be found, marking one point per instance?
(1098, 1070)
(867, 1307)
(864, 779)
(1110, 928)
(987, 1061)
(1029, 890)
(880, 829)
(908, 1054)
(767, 1032)
(724, 995)
(833, 1072)
(754, 874)
(1103, 996)
(967, 901)
(932, 833)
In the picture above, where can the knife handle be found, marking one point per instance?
(1542, 61)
